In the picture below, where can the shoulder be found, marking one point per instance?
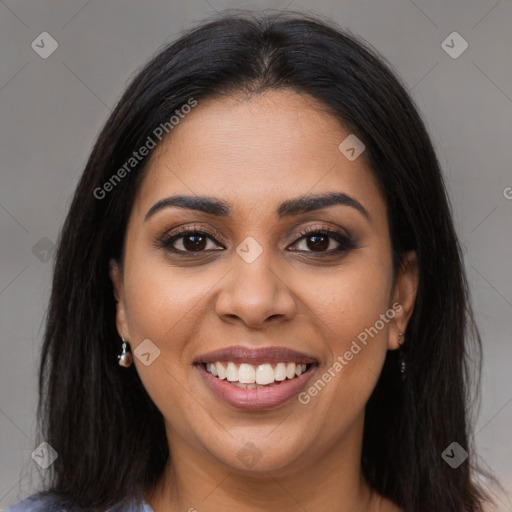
(44, 502)
(37, 502)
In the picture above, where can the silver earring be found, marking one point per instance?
(402, 365)
(125, 358)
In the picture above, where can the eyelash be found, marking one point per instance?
(346, 243)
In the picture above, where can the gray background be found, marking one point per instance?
(52, 109)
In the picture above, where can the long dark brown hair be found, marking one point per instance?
(108, 433)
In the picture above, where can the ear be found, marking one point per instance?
(404, 297)
(121, 317)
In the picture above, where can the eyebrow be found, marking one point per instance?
(288, 208)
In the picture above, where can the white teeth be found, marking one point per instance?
(212, 368)
(264, 374)
(246, 374)
(221, 371)
(232, 372)
(245, 386)
(251, 376)
(290, 370)
(280, 371)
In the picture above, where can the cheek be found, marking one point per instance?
(162, 300)
(356, 348)
(352, 298)
(164, 305)
(352, 307)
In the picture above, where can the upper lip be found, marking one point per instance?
(256, 356)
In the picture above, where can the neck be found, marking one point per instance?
(319, 481)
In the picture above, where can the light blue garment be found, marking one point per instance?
(38, 502)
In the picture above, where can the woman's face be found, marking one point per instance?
(251, 284)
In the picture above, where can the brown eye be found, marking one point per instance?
(194, 242)
(324, 242)
(189, 241)
(318, 243)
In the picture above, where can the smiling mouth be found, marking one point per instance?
(251, 376)
(256, 379)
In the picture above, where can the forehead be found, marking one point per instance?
(256, 151)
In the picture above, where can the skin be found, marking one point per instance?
(254, 152)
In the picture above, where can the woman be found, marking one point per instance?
(262, 240)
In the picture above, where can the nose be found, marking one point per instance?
(255, 294)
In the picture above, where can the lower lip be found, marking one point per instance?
(256, 399)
